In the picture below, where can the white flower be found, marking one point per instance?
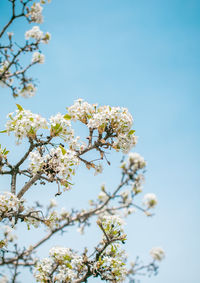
(150, 200)
(38, 57)
(38, 35)
(136, 161)
(157, 253)
(53, 203)
(103, 197)
(119, 119)
(59, 162)
(25, 124)
(61, 126)
(28, 91)
(36, 13)
(35, 33)
(98, 169)
(111, 264)
(9, 233)
(112, 223)
(81, 110)
(125, 142)
(126, 197)
(46, 38)
(9, 204)
(67, 264)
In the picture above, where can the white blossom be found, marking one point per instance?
(3, 70)
(150, 200)
(38, 57)
(38, 35)
(53, 203)
(25, 124)
(157, 253)
(28, 90)
(46, 38)
(136, 161)
(61, 126)
(59, 162)
(67, 262)
(111, 264)
(103, 197)
(36, 13)
(81, 110)
(9, 204)
(115, 120)
(98, 169)
(119, 119)
(35, 33)
(9, 233)
(112, 223)
(125, 142)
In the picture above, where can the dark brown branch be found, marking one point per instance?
(28, 185)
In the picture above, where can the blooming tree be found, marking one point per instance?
(54, 154)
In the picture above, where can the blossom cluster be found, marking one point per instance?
(36, 13)
(150, 200)
(112, 225)
(61, 126)
(25, 124)
(63, 265)
(38, 35)
(157, 253)
(38, 58)
(81, 110)
(4, 70)
(10, 204)
(8, 233)
(114, 121)
(136, 161)
(28, 90)
(111, 264)
(131, 167)
(59, 162)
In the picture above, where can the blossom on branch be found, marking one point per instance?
(36, 13)
(38, 58)
(25, 124)
(157, 253)
(150, 200)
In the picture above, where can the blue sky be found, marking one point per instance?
(143, 55)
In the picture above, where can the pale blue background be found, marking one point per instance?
(144, 55)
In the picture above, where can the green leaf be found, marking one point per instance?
(67, 117)
(131, 132)
(63, 149)
(4, 131)
(20, 108)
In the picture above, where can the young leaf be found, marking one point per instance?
(20, 108)
(67, 117)
(62, 149)
(131, 132)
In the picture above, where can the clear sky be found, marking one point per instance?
(144, 55)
